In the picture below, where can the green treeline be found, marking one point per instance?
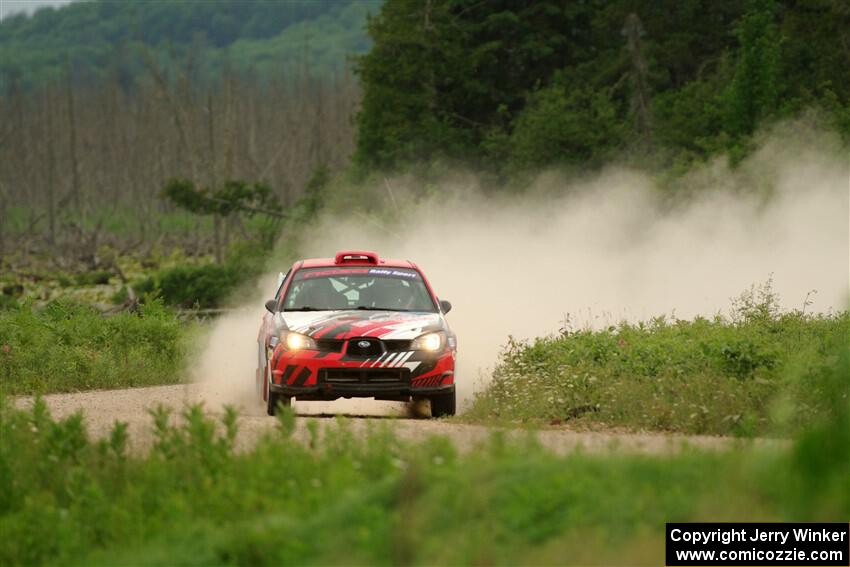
(107, 38)
(103, 102)
(512, 86)
(501, 85)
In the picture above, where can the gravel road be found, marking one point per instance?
(103, 408)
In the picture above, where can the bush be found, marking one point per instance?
(197, 286)
(8, 302)
(94, 277)
(66, 347)
(205, 286)
(720, 376)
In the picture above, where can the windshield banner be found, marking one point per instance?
(343, 272)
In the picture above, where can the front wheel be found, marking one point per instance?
(274, 399)
(443, 405)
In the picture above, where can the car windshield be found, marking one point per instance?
(379, 289)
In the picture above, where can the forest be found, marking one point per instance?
(512, 86)
(93, 39)
(102, 103)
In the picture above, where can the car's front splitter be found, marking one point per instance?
(330, 392)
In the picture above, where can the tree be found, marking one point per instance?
(231, 198)
(404, 75)
(442, 73)
(565, 123)
(754, 91)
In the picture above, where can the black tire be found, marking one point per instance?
(443, 405)
(271, 403)
(274, 400)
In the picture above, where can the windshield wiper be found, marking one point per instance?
(365, 308)
(306, 308)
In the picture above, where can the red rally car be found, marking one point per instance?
(356, 325)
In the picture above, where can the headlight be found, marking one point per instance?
(297, 341)
(431, 342)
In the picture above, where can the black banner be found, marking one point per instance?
(758, 544)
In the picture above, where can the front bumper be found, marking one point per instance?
(311, 375)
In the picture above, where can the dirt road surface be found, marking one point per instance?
(103, 408)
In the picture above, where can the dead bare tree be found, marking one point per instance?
(74, 154)
(72, 139)
(51, 168)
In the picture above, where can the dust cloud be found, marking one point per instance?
(608, 247)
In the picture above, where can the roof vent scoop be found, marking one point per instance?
(356, 257)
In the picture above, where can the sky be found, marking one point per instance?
(9, 7)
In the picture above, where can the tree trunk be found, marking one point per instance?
(217, 238)
(72, 143)
(640, 83)
(2, 224)
(51, 171)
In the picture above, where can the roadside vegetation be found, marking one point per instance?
(68, 499)
(751, 373)
(68, 347)
(131, 323)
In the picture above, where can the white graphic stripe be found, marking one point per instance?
(402, 359)
(374, 364)
(388, 362)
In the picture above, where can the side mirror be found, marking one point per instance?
(445, 306)
(271, 305)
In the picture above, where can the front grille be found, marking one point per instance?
(369, 347)
(399, 376)
(397, 345)
(329, 345)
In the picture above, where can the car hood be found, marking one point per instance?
(348, 324)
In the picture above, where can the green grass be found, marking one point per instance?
(345, 498)
(748, 374)
(65, 347)
(174, 233)
(119, 222)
